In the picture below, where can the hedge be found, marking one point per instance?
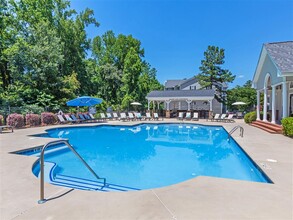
(15, 120)
(287, 124)
(32, 119)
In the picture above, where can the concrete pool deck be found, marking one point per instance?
(198, 198)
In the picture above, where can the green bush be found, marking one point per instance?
(287, 124)
(250, 117)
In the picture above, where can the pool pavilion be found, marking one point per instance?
(273, 79)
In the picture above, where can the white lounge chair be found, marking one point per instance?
(195, 116)
(61, 119)
(103, 117)
(188, 116)
(223, 116)
(156, 116)
(180, 116)
(123, 116)
(115, 116)
(138, 116)
(229, 118)
(148, 116)
(216, 117)
(130, 116)
(109, 116)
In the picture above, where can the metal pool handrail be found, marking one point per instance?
(42, 190)
(234, 129)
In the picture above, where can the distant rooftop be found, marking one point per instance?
(282, 54)
(172, 83)
(181, 93)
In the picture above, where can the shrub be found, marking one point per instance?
(15, 120)
(48, 118)
(250, 117)
(287, 124)
(1, 120)
(32, 119)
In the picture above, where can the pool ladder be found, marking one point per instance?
(63, 141)
(234, 129)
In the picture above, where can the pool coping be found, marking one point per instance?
(220, 198)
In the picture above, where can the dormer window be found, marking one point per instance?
(192, 87)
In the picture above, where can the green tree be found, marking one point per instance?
(212, 75)
(132, 70)
(242, 94)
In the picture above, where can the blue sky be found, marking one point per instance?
(175, 34)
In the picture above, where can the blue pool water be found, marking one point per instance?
(152, 155)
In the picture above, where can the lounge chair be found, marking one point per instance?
(229, 118)
(61, 119)
(156, 116)
(109, 116)
(188, 116)
(75, 119)
(87, 117)
(148, 116)
(216, 117)
(130, 116)
(138, 116)
(103, 117)
(223, 116)
(81, 117)
(123, 116)
(239, 115)
(115, 116)
(195, 116)
(93, 117)
(180, 116)
(5, 127)
(69, 119)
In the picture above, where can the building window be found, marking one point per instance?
(192, 87)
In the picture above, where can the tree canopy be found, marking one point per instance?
(212, 75)
(46, 58)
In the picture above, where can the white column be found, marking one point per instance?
(158, 103)
(273, 105)
(284, 99)
(258, 105)
(265, 104)
(211, 105)
(179, 105)
(168, 104)
(149, 105)
(188, 104)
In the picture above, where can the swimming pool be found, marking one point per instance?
(147, 156)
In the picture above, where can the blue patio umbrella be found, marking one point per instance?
(84, 101)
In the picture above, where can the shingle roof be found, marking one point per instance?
(282, 55)
(173, 83)
(181, 93)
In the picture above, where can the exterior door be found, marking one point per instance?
(291, 105)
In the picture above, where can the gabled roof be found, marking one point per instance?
(172, 83)
(282, 55)
(181, 93)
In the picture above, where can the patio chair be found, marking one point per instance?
(115, 116)
(138, 116)
(103, 117)
(222, 118)
(5, 127)
(156, 116)
(61, 119)
(109, 116)
(69, 119)
(188, 116)
(216, 117)
(75, 119)
(131, 116)
(229, 118)
(148, 116)
(123, 116)
(93, 117)
(81, 117)
(195, 116)
(180, 116)
(239, 115)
